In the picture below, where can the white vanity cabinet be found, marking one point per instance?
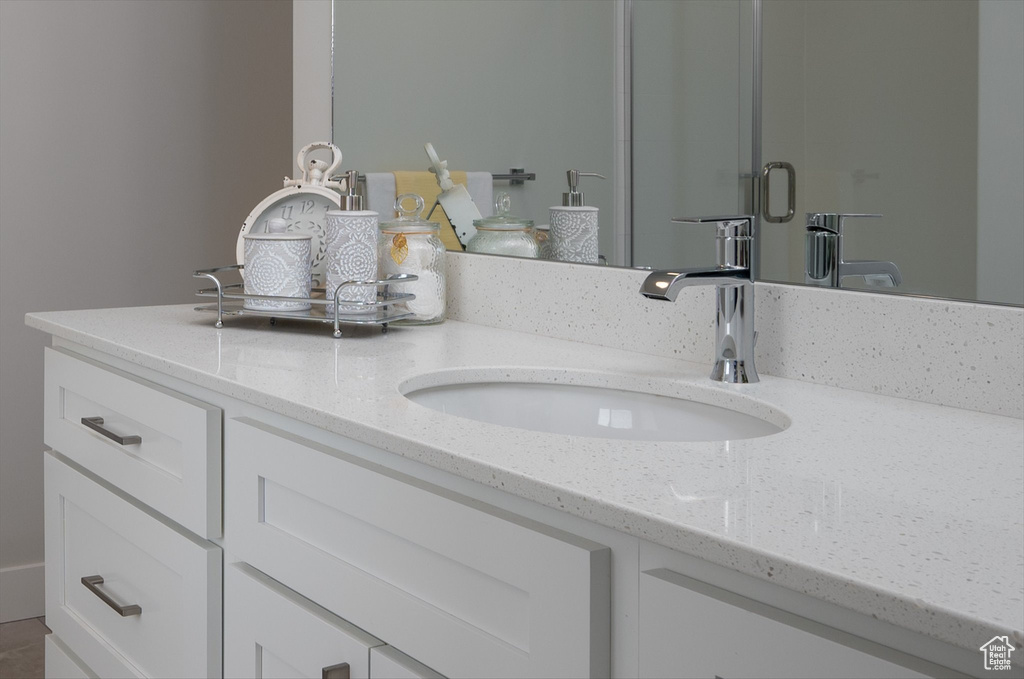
(339, 559)
(463, 587)
(690, 628)
(273, 632)
(132, 488)
(156, 444)
(61, 663)
(129, 593)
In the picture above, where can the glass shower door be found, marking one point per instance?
(691, 125)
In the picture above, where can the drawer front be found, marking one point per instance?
(387, 662)
(465, 588)
(127, 592)
(174, 468)
(61, 663)
(691, 629)
(272, 632)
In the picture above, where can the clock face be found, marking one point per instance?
(304, 211)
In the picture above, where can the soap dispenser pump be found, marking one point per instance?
(573, 230)
(351, 242)
(351, 200)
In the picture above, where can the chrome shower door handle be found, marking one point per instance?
(766, 211)
(92, 583)
(96, 424)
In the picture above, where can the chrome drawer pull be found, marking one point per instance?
(92, 583)
(96, 424)
(339, 671)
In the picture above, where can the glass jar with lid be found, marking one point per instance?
(412, 245)
(503, 234)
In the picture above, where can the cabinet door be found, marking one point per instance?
(61, 663)
(126, 591)
(691, 629)
(466, 588)
(272, 632)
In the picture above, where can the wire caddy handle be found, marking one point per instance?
(389, 305)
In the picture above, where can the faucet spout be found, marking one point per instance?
(734, 291)
(665, 285)
(869, 268)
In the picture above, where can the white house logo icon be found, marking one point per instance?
(997, 652)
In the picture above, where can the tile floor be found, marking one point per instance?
(21, 649)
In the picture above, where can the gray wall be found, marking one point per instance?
(135, 136)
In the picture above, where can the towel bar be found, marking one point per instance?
(516, 177)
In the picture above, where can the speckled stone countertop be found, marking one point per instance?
(906, 511)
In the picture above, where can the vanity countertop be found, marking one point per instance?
(910, 512)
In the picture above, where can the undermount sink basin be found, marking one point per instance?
(600, 412)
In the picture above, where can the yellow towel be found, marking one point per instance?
(425, 184)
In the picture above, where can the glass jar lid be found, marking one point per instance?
(408, 220)
(502, 220)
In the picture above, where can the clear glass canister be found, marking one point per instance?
(503, 234)
(413, 245)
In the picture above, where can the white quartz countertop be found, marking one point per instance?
(909, 512)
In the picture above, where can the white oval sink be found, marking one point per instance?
(600, 412)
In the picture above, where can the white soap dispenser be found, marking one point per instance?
(351, 240)
(573, 230)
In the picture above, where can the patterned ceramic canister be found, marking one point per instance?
(352, 256)
(573, 234)
(277, 263)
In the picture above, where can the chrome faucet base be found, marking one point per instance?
(825, 263)
(734, 371)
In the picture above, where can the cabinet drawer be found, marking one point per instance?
(171, 578)
(175, 469)
(61, 663)
(272, 632)
(692, 629)
(465, 588)
(387, 662)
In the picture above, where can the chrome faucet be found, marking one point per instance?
(825, 265)
(733, 278)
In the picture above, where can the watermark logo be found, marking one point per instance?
(997, 652)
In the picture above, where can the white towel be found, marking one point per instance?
(380, 193)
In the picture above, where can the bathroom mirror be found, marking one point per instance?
(908, 109)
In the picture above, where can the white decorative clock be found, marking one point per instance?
(302, 203)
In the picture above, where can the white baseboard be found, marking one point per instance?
(21, 592)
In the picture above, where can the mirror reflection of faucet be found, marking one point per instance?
(734, 283)
(825, 265)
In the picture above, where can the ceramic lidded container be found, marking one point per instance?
(277, 263)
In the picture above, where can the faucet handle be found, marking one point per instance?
(833, 221)
(734, 241)
(730, 226)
